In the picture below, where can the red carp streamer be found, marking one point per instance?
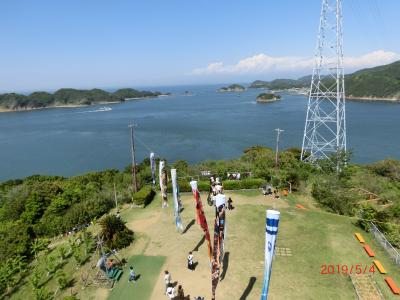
(201, 217)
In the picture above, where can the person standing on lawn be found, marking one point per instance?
(167, 280)
(181, 294)
(132, 275)
(171, 292)
(190, 261)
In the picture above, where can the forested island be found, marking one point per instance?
(67, 97)
(232, 88)
(267, 98)
(372, 84)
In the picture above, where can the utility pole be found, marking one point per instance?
(115, 198)
(278, 133)
(134, 182)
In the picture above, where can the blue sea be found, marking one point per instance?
(206, 125)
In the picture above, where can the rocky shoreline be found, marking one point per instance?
(372, 99)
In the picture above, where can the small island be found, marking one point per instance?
(267, 97)
(70, 98)
(232, 88)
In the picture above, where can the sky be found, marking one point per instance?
(47, 44)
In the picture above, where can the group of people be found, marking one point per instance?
(269, 190)
(217, 189)
(218, 200)
(169, 287)
(170, 290)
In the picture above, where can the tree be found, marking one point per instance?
(35, 279)
(116, 235)
(42, 294)
(62, 253)
(62, 279)
(39, 245)
(15, 239)
(11, 272)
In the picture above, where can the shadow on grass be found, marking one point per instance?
(191, 223)
(248, 289)
(199, 244)
(225, 264)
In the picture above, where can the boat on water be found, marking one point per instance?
(104, 108)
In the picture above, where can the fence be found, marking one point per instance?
(393, 253)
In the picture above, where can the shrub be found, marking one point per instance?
(250, 183)
(79, 257)
(203, 186)
(144, 196)
(184, 186)
(116, 234)
(62, 279)
(62, 253)
(332, 195)
(389, 168)
(365, 214)
(35, 278)
(42, 294)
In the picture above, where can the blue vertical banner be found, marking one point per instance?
(271, 232)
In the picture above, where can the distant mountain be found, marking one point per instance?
(283, 84)
(68, 97)
(378, 83)
(381, 82)
(277, 84)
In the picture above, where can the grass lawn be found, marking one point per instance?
(147, 268)
(314, 237)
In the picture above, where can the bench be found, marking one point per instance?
(118, 275)
(392, 285)
(359, 237)
(369, 251)
(114, 273)
(379, 266)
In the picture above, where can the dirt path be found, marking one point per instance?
(159, 237)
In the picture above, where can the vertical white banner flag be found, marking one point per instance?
(271, 232)
(160, 170)
(163, 183)
(178, 221)
(153, 167)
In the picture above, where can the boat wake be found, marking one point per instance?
(101, 109)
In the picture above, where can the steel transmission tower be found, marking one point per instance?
(325, 128)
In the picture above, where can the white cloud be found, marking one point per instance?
(262, 63)
(371, 59)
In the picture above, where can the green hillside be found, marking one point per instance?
(378, 82)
